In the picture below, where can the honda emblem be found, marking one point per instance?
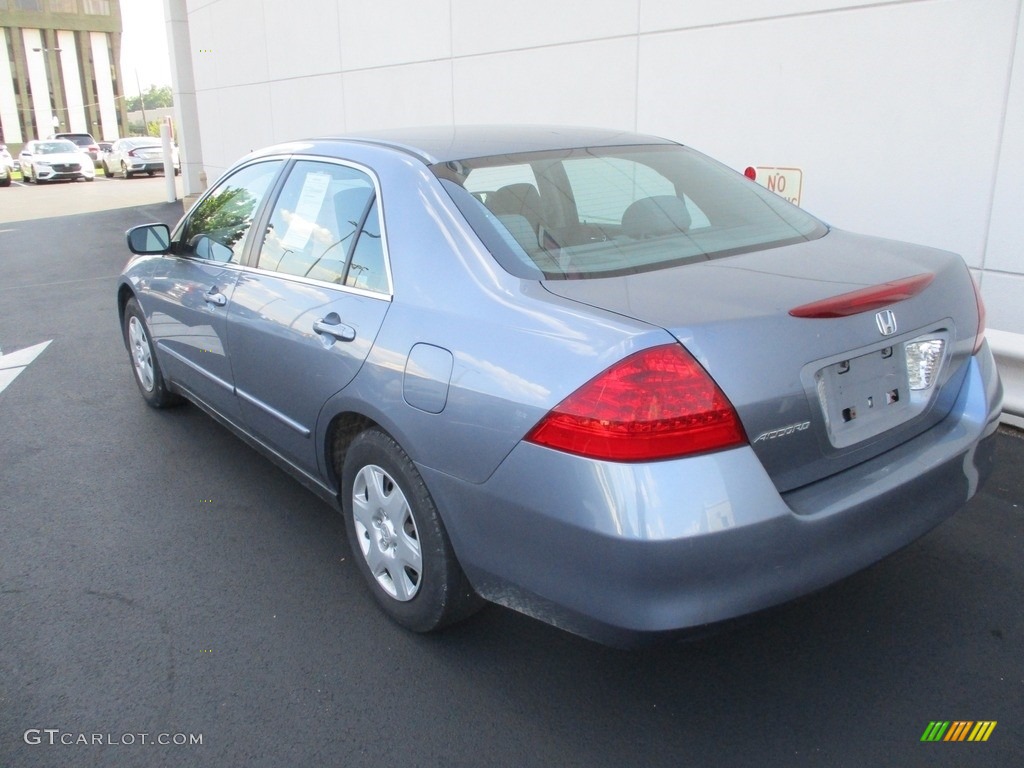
(886, 322)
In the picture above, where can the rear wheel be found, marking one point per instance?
(124, 169)
(398, 539)
(144, 363)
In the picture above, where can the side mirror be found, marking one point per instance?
(149, 239)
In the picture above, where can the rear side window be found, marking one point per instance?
(605, 211)
(325, 226)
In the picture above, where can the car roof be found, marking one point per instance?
(439, 144)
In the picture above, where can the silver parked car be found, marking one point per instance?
(592, 376)
(137, 154)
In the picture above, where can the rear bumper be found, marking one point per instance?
(624, 552)
(139, 166)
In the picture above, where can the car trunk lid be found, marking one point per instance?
(816, 393)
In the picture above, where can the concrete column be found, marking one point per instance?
(186, 113)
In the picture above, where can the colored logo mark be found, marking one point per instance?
(958, 730)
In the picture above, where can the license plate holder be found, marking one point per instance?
(864, 395)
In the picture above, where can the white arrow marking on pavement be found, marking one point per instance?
(14, 363)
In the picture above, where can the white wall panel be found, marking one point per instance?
(413, 94)
(386, 32)
(1006, 234)
(237, 42)
(582, 84)
(308, 106)
(203, 37)
(484, 26)
(656, 15)
(302, 40)
(890, 111)
(244, 125)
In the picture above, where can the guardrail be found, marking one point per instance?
(1008, 349)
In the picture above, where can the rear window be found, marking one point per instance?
(81, 139)
(606, 211)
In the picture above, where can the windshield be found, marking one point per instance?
(604, 211)
(55, 147)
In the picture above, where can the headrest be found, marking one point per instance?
(655, 216)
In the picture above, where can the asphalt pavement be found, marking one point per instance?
(161, 582)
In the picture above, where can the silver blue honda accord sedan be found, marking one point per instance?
(592, 376)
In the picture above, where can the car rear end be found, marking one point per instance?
(145, 158)
(807, 401)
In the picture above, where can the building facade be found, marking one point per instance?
(60, 69)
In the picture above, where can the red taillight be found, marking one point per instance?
(979, 337)
(865, 299)
(656, 404)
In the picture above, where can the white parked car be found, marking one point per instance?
(6, 160)
(54, 160)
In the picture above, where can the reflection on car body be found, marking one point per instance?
(589, 375)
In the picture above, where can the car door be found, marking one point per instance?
(191, 288)
(303, 321)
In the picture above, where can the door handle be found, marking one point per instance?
(332, 326)
(214, 296)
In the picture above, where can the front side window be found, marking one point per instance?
(217, 228)
(325, 226)
(606, 211)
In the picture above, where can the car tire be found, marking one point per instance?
(398, 539)
(149, 173)
(106, 170)
(124, 169)
(6, 182)
(145, 367)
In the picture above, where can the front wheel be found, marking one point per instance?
(144, 363)
(398, 539)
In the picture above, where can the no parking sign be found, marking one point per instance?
(785, 182)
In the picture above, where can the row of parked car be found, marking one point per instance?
(63, 157)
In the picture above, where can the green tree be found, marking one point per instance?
(154, 97)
